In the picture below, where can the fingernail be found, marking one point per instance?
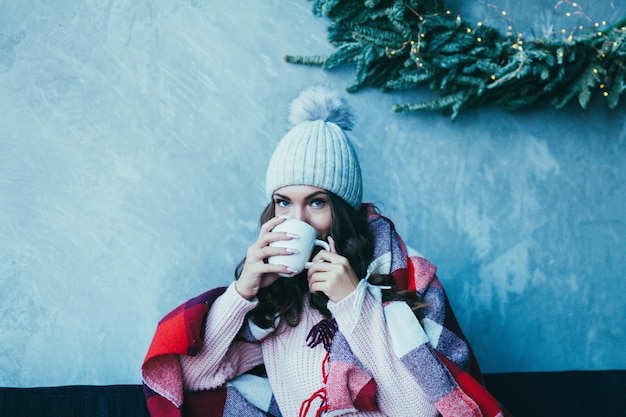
(291, 235)
(291, 250)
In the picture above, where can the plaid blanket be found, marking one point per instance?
(435, 352)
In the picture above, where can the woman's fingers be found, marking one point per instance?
(267, 236)
(261, 254)
(335, 277)
(271, 223)
(329, 257)
(331, 244)
(257, 272)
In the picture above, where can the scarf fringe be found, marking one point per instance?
(322, 332)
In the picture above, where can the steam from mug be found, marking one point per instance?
(303, 244)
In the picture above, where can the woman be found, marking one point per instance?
(326, 341)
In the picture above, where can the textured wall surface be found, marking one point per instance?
(134, 137)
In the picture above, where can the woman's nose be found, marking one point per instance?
(298, 214)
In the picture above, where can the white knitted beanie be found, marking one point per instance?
(316, 151)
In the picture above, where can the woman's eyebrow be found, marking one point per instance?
(283, 197)
(315, 194)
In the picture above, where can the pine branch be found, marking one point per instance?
(404, 44)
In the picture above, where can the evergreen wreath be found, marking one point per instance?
(402, 44)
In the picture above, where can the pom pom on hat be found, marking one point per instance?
(319, 103)
(317, 151)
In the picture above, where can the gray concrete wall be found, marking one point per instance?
(134, 137)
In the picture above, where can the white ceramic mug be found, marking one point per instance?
(304, 243)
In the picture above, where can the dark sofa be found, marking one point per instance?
(525, 394)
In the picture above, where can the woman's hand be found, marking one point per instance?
(256, 272)
(332, 274)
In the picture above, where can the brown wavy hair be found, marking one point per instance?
(354, 240)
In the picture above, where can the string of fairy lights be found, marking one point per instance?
(606, 42)
(576, 10)
(517, 39)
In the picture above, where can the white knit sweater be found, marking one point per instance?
(293, 368)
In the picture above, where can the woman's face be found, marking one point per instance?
(306, 203)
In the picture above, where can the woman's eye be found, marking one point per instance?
(318, 203)
(281, 203)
